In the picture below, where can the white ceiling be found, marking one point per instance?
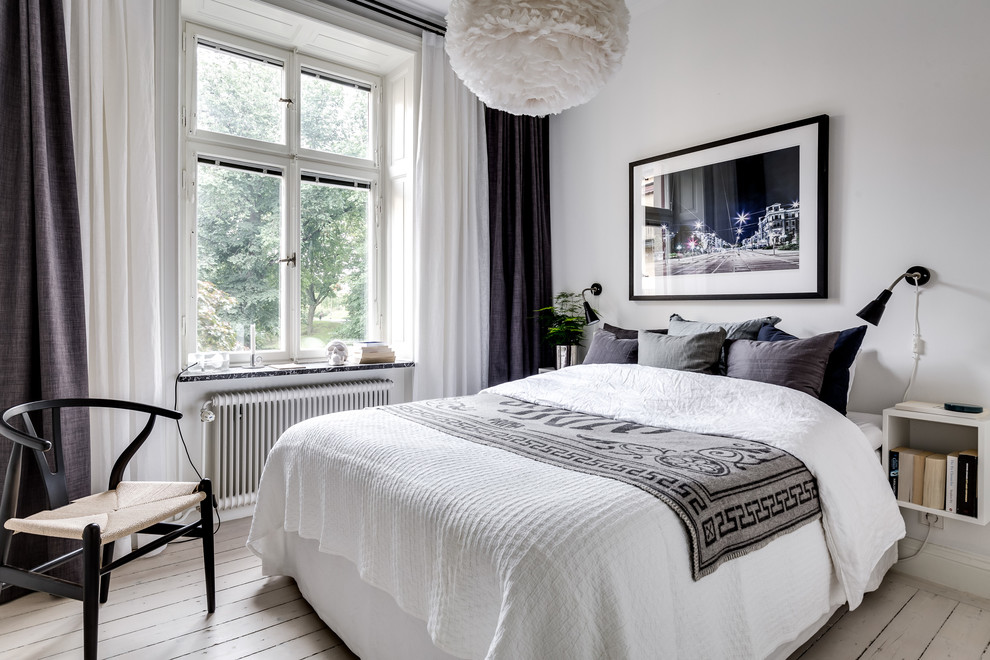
(437, 9)
(427, 8)
(432, 10)
(271, 24)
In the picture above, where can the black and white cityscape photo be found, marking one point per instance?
(737, 216)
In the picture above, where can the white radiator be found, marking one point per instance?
(248, 423)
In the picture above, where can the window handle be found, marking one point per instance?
(289, 260)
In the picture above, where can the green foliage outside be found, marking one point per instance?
(239, 96)
(238, 218)
(334, 118)
(239, 212)
(215, 305)
(356, 303)
(563, 322)
(333, 259)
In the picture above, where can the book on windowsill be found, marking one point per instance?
(376, 359)
(373, 353)
(933, 495)
(371, 347)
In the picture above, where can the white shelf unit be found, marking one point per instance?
(942, 434)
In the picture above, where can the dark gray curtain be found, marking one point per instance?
(43, 331)
(519, 224)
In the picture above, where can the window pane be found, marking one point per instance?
(238, 216)
(333, 264)
(334, 116)
(239, 95)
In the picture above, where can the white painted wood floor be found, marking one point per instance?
(906, 619)
(157, 609)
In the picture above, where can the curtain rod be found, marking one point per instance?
(400, 15)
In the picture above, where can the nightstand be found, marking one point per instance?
(941, 433)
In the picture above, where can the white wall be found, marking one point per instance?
(906, 85)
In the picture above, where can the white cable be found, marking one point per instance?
(923, 543)
(916, 340)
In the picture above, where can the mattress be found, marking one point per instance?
(498, 556)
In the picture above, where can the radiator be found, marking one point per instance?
(249, 422)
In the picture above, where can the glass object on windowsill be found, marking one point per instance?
(209, 362)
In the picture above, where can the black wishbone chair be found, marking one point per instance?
(126, 508)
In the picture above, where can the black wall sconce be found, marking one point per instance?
(916, 275)
(589, 314)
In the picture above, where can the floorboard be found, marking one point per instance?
(157, 609)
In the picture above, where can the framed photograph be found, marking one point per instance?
(741, 218)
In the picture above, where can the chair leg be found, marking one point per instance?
(206, 517)
(91, 590)
(105, 580)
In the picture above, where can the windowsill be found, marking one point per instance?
(268, 371)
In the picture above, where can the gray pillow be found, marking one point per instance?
(622, 333)
(798, 363)
(697, 352)
(606, 348)
(740, 330)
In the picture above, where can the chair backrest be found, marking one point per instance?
(34, 417)
(47, 415)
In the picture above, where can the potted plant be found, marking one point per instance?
(563, 326)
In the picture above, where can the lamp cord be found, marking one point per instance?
(178, 427)
(916, 340)
(175, 406)
(923, 544)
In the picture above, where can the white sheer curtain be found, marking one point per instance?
(451, 230)
(112, 85)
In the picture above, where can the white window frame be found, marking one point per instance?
(292, 160)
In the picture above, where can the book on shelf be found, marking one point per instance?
(966, 501)
(933, 494)
(893, 459)
(918, 487)
(911, 474)
(905, 473)
(951, 480)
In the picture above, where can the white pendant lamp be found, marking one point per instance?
(536, 57)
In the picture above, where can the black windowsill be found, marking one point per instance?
(265, 372)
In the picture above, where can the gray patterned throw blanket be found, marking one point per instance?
(733, 495)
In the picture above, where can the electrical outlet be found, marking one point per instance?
(935, 520)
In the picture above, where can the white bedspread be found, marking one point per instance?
(507, 558)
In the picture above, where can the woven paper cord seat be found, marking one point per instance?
(130, 508)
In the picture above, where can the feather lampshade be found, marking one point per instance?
(536, 57)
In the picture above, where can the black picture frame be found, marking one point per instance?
(743, 218)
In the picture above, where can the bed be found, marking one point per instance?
(414, 542)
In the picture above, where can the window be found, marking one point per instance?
(282, 179)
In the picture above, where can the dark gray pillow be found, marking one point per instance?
(739, 330)
(606, 348)
(622, 333)
(698, 352)
(798, 363)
